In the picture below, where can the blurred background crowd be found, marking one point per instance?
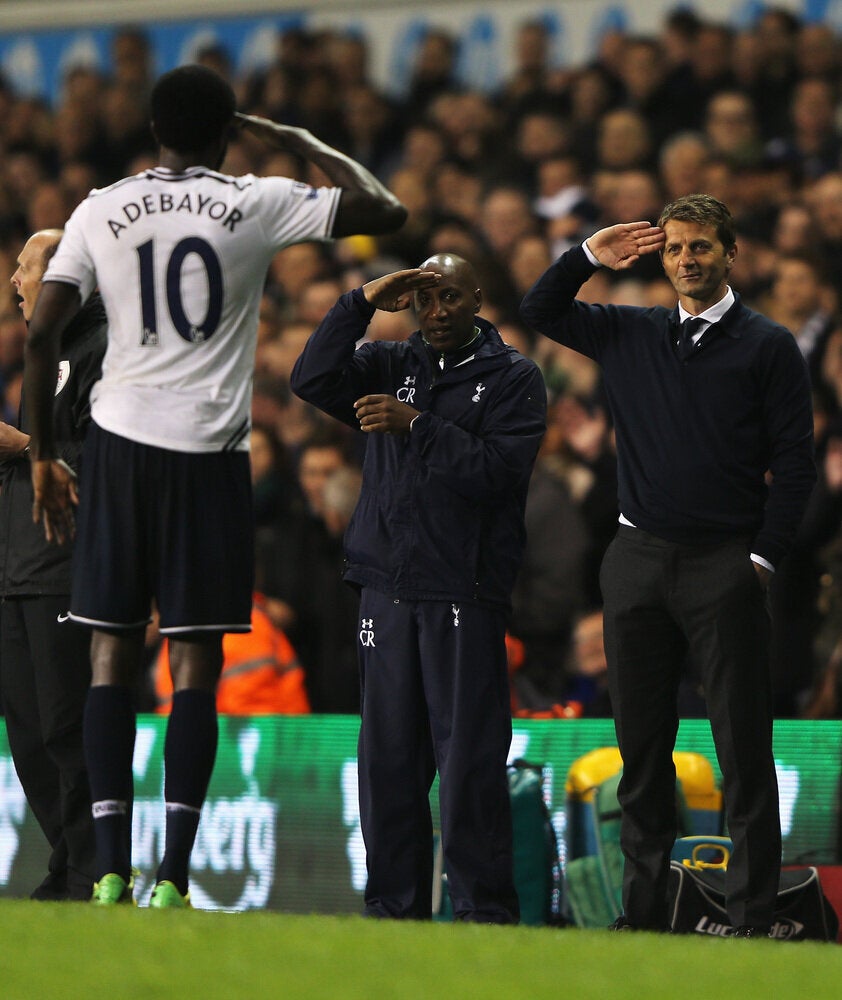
(508, 180)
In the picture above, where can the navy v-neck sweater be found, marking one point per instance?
(698, 439)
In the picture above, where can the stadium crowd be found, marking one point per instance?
(508, 181)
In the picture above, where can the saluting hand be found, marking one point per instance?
(285, 137)
(54, 486)
(621, 246)
(393, 292)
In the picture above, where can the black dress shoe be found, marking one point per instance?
(621, 924)
(747, 931)
(52, 890)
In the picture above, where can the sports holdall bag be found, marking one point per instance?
(697, 904)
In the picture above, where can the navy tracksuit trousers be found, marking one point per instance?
(435, 696)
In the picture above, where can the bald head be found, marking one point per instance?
(47, 241)
(446, 311)
(32, 263)
(454, 267)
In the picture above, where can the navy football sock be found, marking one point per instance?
(189, 756)
(109, 735)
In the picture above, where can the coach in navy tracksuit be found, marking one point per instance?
(706, 399)
(455, 418)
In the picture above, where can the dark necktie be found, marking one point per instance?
(689, 328)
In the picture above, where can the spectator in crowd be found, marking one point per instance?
(801, 300)
(424, 147)
(731, 127)
(711, 69)
(217, 58)
(643, 74)
(433, 71)
(817, 643)
(314, 299)
(348, 57)
(529, 257)
(681, 163)
(624, 140)
(550, 588)
(198, 441)
(817, 52)
(454, 419)
(299, 569)
(824, 198)
(777, 31)
(589, 666)
(505, 216)
(45, 663)
(805, 625)
(678, 35)
(371, 127)
(700, 532)
(526, 86)
(131, 57)
(125, 123)
(457, 193)
(811, 144)
(793, 230)
(295, 267)
(471, 124)
(270, 476)
(590, 94)
(260, 675)
(563, 200)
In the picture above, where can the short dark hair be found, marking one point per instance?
(706, 211)
(192, 106)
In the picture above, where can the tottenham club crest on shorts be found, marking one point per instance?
(63, 375)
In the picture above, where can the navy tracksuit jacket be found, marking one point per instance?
(435, 544)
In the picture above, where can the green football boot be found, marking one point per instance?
(165, 896)
(112, 889)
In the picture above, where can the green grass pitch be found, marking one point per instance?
(67, 951)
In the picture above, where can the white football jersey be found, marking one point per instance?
(180, 261)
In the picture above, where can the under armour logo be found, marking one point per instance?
(409, 380)
(367, 632)
(455, 611)
(480, 389)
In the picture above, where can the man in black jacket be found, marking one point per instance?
(454, 418)
(706, 398)
(45, 666)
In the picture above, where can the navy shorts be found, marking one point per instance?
(169, 525)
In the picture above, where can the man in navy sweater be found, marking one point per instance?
(712, 412)
(454, 419)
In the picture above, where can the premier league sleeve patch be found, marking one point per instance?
(302, 190)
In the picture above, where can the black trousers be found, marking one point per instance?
(45, 673)
(663, 600)
(435, 695)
